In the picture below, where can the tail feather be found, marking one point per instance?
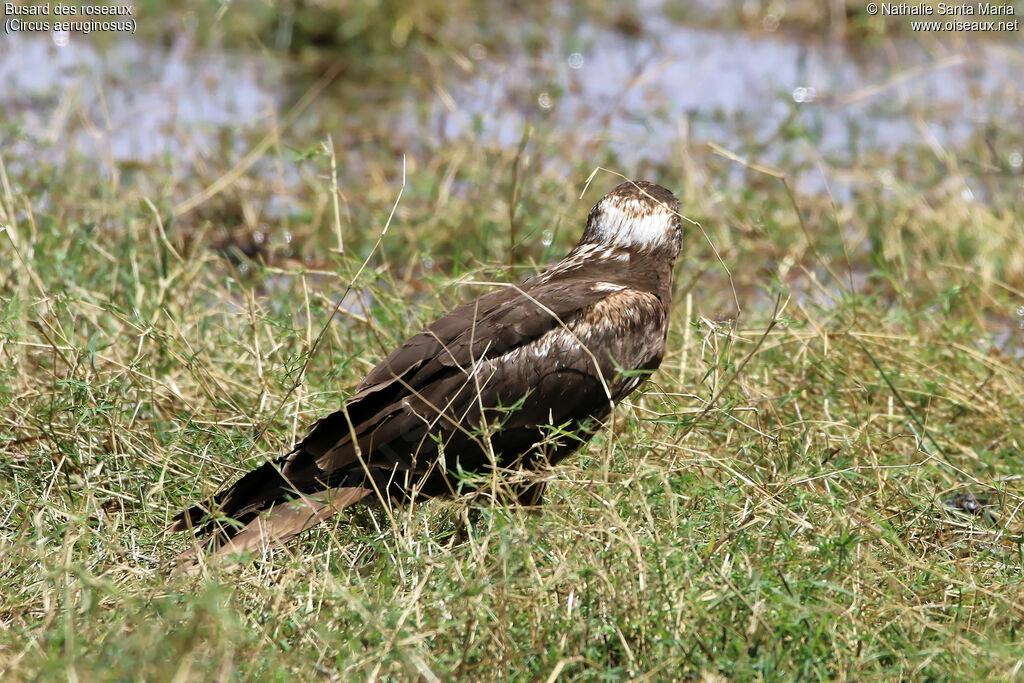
(255, 490)
(187, 519)
(279, 524)
(266, 507)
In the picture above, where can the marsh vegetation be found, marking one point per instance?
(822, 481)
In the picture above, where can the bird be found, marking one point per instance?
(512, 382)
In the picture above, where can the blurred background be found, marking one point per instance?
(227, 114)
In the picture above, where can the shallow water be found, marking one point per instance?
(640, 96)
(131, 102)
(645, 97)
(636, 96)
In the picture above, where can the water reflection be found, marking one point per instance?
(597, 88)
(130, 102)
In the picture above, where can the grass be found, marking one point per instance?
(809, 524)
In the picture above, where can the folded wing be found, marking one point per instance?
(477, 389)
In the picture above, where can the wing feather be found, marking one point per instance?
(519, 359)
(449, 359)
(551, 375)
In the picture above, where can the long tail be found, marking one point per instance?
(255, 490)
(266, 507)
(275, 525)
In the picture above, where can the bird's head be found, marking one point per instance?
(638, 216)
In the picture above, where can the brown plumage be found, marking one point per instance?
(480, 389)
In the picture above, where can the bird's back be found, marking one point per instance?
(517, 378)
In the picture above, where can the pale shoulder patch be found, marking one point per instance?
(607, 287)
(623, 309)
